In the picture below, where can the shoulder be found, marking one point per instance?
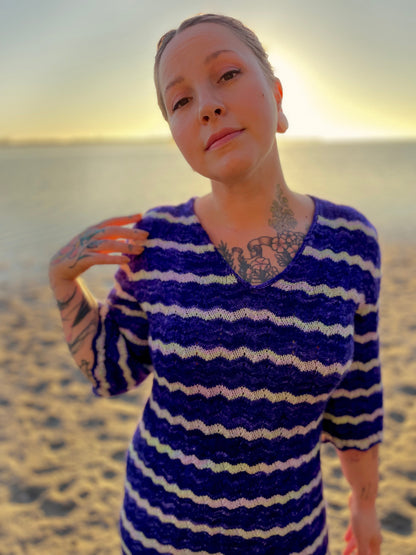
(340, 214)
(167, 216)
(348, 228)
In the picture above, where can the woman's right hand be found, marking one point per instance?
(97, 245)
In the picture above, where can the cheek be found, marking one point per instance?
(184, 140)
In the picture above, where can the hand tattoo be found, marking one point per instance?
(74, 251)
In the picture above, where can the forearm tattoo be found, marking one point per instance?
(75, 343)
(268, 255)
(85, 368)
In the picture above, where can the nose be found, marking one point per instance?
(210, 108)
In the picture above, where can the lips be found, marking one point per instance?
(222, 137)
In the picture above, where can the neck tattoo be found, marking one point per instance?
(267, 255)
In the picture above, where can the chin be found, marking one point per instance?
(230, 169)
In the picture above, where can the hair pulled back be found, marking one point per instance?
(246, 35)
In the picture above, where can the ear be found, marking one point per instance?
(282, 123)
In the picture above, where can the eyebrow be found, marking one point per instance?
(208, 59)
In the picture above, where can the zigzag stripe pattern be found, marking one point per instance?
(321, 289)
(246, 313)
(223, 501)
(239, 432)
(181, 247)
(151, 543)
(248, 379)
(211, 530)
(168, 217)
(240, 393)
(187, 277)
(347, 224)
(201, 464)
(343, 257)
(253, 356)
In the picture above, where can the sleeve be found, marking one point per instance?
(122, 354)
(353, 418)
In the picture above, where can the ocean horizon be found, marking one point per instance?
(52, 191)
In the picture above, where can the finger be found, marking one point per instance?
(113, 232)
(120, 220)
(350, 547)
(101, 259)
(108, 246)
(348, 533)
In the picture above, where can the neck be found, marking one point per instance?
(246, 203)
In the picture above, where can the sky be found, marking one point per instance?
(84, 68)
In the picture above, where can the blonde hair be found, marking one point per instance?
(246, 35)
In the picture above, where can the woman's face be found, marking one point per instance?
(222, 110)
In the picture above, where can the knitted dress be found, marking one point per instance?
(247, 382)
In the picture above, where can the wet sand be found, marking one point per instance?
(62, 449)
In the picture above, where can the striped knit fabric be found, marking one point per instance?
(247, 382)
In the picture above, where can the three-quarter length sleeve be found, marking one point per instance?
(353, 417)
(122, 355)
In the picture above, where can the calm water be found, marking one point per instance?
(50, 193)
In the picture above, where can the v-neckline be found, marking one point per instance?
(279, 275)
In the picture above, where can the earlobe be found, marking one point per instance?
(282, 123)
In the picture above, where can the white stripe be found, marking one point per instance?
(348, 419)
(122, 361)
(255, 315)
(223, 501)
(353, 225)
(366, 338)
(202, 464)
(121, 293)
(180, 278)
(214, 530)
(359, 392)
(100, 370)
(365, 366)
(361, 444)
(153, 543)
(185, 220)
(244, 352)
(130, 312)
(240, 392)
(182, 247)
(130, 336)
(343, 256)
(170, 550)
(365, 309)
(321, 289)
(230, 433)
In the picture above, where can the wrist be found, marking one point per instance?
(363, 499)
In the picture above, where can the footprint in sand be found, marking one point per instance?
(397, 416)
(397, 523)
(21, 493)
(408, 389)
(55, 508)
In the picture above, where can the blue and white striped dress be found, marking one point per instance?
(248, 380)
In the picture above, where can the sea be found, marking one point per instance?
(51, 192)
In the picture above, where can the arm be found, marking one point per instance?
(360, 468)
(77, 306)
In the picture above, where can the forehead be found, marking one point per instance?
(192, 46)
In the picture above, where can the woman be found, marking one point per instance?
(255, 309)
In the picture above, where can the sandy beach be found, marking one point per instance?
(62, 449)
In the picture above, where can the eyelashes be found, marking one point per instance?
(225, 77)
(180, 103)
(229, 75)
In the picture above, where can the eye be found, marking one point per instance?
(180, 103)
(229, 75)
